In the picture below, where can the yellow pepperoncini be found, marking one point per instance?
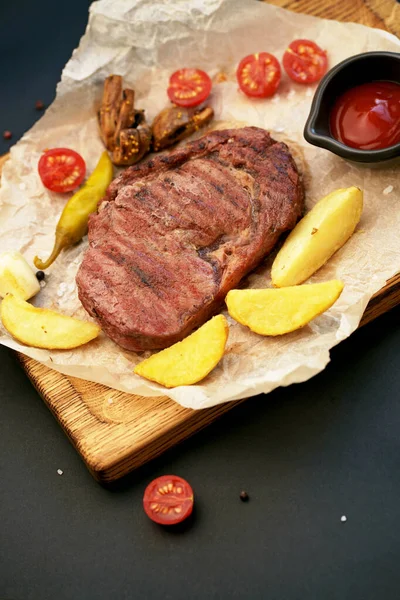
(72, 225)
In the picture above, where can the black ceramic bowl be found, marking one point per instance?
(356, 70)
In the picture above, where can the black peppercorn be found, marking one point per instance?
(40, 275)
(244, 496)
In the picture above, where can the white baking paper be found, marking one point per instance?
(145, 40)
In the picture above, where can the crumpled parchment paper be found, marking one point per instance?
(145, 40)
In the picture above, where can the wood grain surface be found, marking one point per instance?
(116, 432)
(383, 14)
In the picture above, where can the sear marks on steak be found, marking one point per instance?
(176, 232)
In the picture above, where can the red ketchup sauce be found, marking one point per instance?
(368, 116)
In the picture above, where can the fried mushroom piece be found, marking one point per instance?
(124, 130)
(132, 136)
(175, 123)
(110, 108)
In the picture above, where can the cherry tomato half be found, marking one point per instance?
(259, 75)
(189, 87)
(61, 169)
(168, 500)
(304, 61)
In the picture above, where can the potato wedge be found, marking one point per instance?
(278, 311)
(189, 361)
(44, 328)
(324, 230)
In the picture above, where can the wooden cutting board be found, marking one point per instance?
(116, 432)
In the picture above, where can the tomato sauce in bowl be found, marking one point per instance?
(368, 116)
(355, 112)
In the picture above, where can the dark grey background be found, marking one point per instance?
(306, 454)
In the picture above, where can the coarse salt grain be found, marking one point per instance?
(388, 190)
(61, 289)
(60, 472)
(279, 129)
(110, 401)
(343, 518)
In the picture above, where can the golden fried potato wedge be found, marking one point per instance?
(278, 311)
(44, 328)
(324, 230)
(188, 361)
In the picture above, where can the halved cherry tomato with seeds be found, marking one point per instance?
(189, 87)
(168, 500)
(259, 75)
(304, 61)
(61, 169)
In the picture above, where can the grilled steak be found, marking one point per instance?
(178, 231)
